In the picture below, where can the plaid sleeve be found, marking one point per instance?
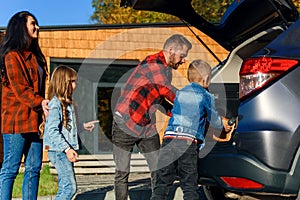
(20, 84)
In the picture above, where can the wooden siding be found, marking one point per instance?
(122, 43)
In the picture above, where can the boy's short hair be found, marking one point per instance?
(197, 70)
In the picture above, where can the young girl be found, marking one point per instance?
(60, 133)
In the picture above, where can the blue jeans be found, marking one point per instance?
(122, 149)
(15, 146)
(177, 158)
(66, 176)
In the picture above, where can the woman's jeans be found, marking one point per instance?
(66, 176)
(15, 146)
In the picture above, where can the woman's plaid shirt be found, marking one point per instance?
(145, 91)
(21, 98)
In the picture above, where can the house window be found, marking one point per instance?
(99, 81)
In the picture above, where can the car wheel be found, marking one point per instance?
(214, 193)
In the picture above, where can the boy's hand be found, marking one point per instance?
(226, 126)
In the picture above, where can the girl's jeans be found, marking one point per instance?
(15, 146)
(66, 176)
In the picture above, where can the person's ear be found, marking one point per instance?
(207, 80)
(171, 50)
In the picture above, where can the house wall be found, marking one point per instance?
(123, 42)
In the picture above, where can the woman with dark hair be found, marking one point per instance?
(23, 74)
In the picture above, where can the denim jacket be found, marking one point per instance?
(193, 106)
(56, 136)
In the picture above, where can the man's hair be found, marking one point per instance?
(178, 41)
(197, 70)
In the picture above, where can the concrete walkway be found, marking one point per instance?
(103, 189)
(100, 187)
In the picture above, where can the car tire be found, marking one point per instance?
(214, 193)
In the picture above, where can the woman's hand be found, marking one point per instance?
(45, 107)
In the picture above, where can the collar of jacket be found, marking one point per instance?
(27, 55)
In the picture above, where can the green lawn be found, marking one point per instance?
(47, 186)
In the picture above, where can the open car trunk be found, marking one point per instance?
(242, 19)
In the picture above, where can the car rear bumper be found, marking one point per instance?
(232, 163)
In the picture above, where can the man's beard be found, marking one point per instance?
(172, 62)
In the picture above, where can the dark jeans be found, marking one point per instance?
(177, 158)
(122, 149)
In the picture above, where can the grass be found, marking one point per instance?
(47, 185)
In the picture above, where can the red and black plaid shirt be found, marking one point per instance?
(21, 98)
(145, 91)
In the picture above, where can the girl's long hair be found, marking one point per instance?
(60, 85)
(16, 38)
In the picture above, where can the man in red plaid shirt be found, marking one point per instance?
(147, 90)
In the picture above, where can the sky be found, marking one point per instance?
(49, 12)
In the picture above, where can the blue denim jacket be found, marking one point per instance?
(193, 106)
(56, 136)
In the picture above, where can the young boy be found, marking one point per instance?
(193, 107)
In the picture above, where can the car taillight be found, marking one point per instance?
(241, 183)
(256, 72)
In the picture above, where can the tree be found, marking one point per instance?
(211, 10)
(109, 12)
(297, 4)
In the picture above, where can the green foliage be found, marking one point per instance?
(110, 12)
(211, 10)
(297, 4)
(47, 185)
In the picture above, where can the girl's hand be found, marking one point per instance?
(89, 126)
(72, 155)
